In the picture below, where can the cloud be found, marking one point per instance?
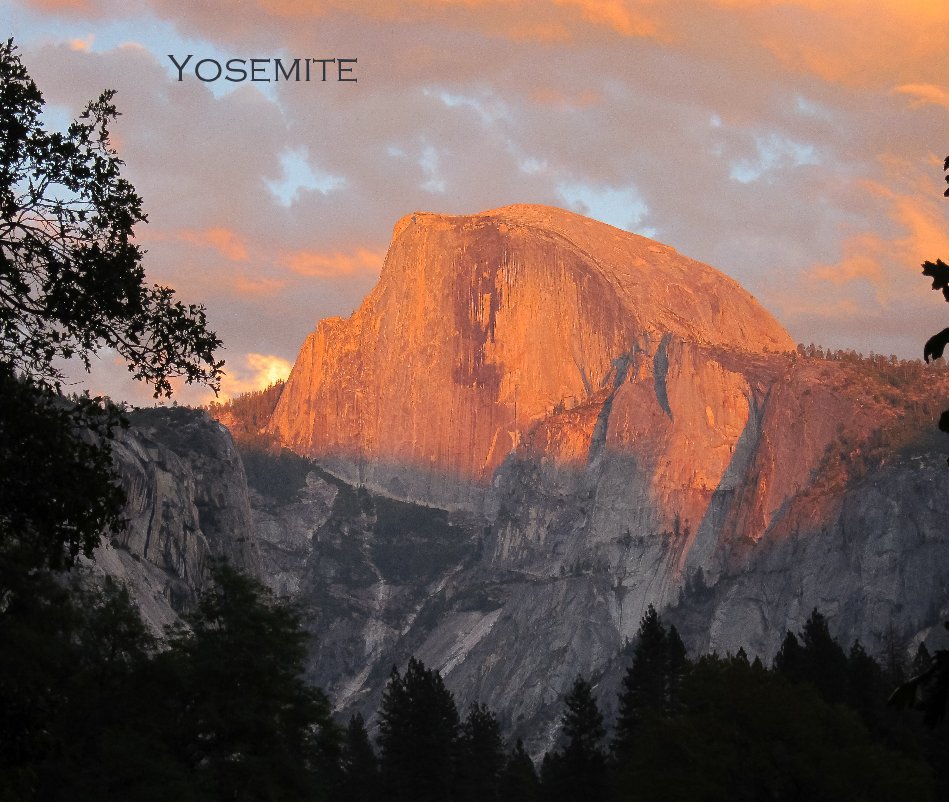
(257, 287)
(861, 261)
(227, 243)
(878, 274)
(83, 44)
(329, 265)
(253, 372)
(74, 6)
(763, 137)
(925, 94)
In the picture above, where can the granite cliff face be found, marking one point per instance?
(619, 426)
(811, 483)
(535, 426)
(188, 502)
(483, 325)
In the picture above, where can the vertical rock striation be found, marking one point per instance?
(633, 429)
(480, 327)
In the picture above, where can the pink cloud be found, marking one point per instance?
(327, 265)
(229, 244)
(459, 103)
(925, 94)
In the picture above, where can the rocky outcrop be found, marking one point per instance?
(483, 325)
(187, 502)
(533, 428)
(582, 532)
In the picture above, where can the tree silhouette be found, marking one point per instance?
(816, 658)
(747, 733)
(71, 284)
(360, 767)
(519, 781)
(71, 279)
(578, 771)
(481, 756)
(418, 736)
(928, 690)
(938, 271)
(651, 685)
(250, 727)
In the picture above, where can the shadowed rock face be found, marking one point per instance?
(535, 426)
(611, 421)
(481, 326)
(187, 503)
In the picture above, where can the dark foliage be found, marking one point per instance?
(57, 490)
(481, 757)
(71, 280)
(418, 736)
(928, 690)
(938, 271)
(748, 734)
(252, 729)
(519, 781)
(816, 658)
(71, 283)
(651, 685)
(279, 474)
(92, 712)
(578, 771)
(360, 767)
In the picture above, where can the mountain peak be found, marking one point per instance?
(480, 326)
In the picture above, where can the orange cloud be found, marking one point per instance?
(884, 260)
(861, 261)
(226, 242)
(62, 5)
(517, 20)
(613, 14)
(547, 96)
(852, 42)
(925, 94)
(255, 372)
(255, 286)
(82, 45)
(329, 265)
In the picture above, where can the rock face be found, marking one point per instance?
(483, 325)
(188, 502)
(622, 427)
(534, 427)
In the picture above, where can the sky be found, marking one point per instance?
(797, 146)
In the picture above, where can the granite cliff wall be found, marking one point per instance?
(534, 427)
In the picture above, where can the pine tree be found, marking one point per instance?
(789, 661)
(360, 767)
(481, 756)
(578, 771)
(250, 728)
(677, 663)
(651, 686)
(418, 736)
(866, 692)
(815, 658)
(72, 284)
(519, 781)
(825, 659)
